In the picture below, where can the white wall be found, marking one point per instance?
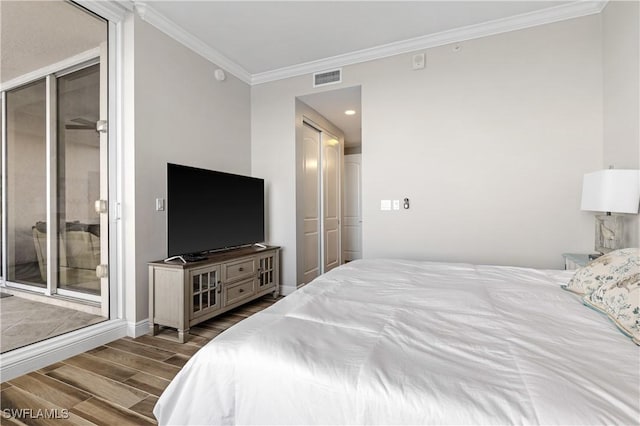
(490, 144)
(182, 115)
(621, 47)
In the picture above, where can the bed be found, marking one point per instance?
(414, 342)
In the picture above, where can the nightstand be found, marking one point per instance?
(575, 260)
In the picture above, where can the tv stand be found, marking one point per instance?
(182, 294)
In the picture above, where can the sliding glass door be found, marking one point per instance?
(55, 183)
(78, 181)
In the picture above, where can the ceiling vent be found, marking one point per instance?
(327, 77)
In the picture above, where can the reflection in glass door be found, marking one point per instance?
(26, 182)
(78, 180)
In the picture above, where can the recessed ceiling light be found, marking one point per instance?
(350, 112)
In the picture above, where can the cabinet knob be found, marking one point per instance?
(241, 269)
(241, 290)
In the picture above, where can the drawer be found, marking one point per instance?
(237, 292)
(238, 270)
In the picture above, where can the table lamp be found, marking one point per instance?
(610, 191)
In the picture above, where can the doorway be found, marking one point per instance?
(328, 187)
(55, 180)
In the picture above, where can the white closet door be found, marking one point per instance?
(331, 206)
(311, 178)
(352, 226)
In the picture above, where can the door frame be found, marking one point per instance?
(40, 354)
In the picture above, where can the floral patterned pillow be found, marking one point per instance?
(613, 267)
(621, 302)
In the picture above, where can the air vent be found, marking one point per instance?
(327, 77)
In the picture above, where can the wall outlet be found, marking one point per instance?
(385, 204)
(396, 204)
(159, 204)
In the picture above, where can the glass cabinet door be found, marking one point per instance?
(266, 271)
(205, 286)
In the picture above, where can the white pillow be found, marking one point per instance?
(621, 302)
(613, 267)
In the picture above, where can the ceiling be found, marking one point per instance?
(263, 36)
(261, 41)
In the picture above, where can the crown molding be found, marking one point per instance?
(173, 30)
(571, 10)
(545, 16)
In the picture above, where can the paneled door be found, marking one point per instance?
(311, 210)
(321, 185)
(331, 205)
(352, 222)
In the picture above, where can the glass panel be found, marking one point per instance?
(26, 185)
(196, 303)
(196, 283)
(78, 180)
(205, 300)
(212, 297)
(205, 281)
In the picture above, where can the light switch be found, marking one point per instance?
(385, 204)
(396, 204)
(159, 204)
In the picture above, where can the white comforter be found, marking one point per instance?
(408, 342)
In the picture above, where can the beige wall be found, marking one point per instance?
(490, 144)
(621, 47)
(182, 115)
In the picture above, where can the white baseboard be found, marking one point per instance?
(286, 290)
(38, 355)
(137, 329)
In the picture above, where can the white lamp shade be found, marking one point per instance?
(612, 190)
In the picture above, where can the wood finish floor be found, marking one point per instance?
(115, 384)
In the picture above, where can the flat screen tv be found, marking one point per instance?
(209, 210)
